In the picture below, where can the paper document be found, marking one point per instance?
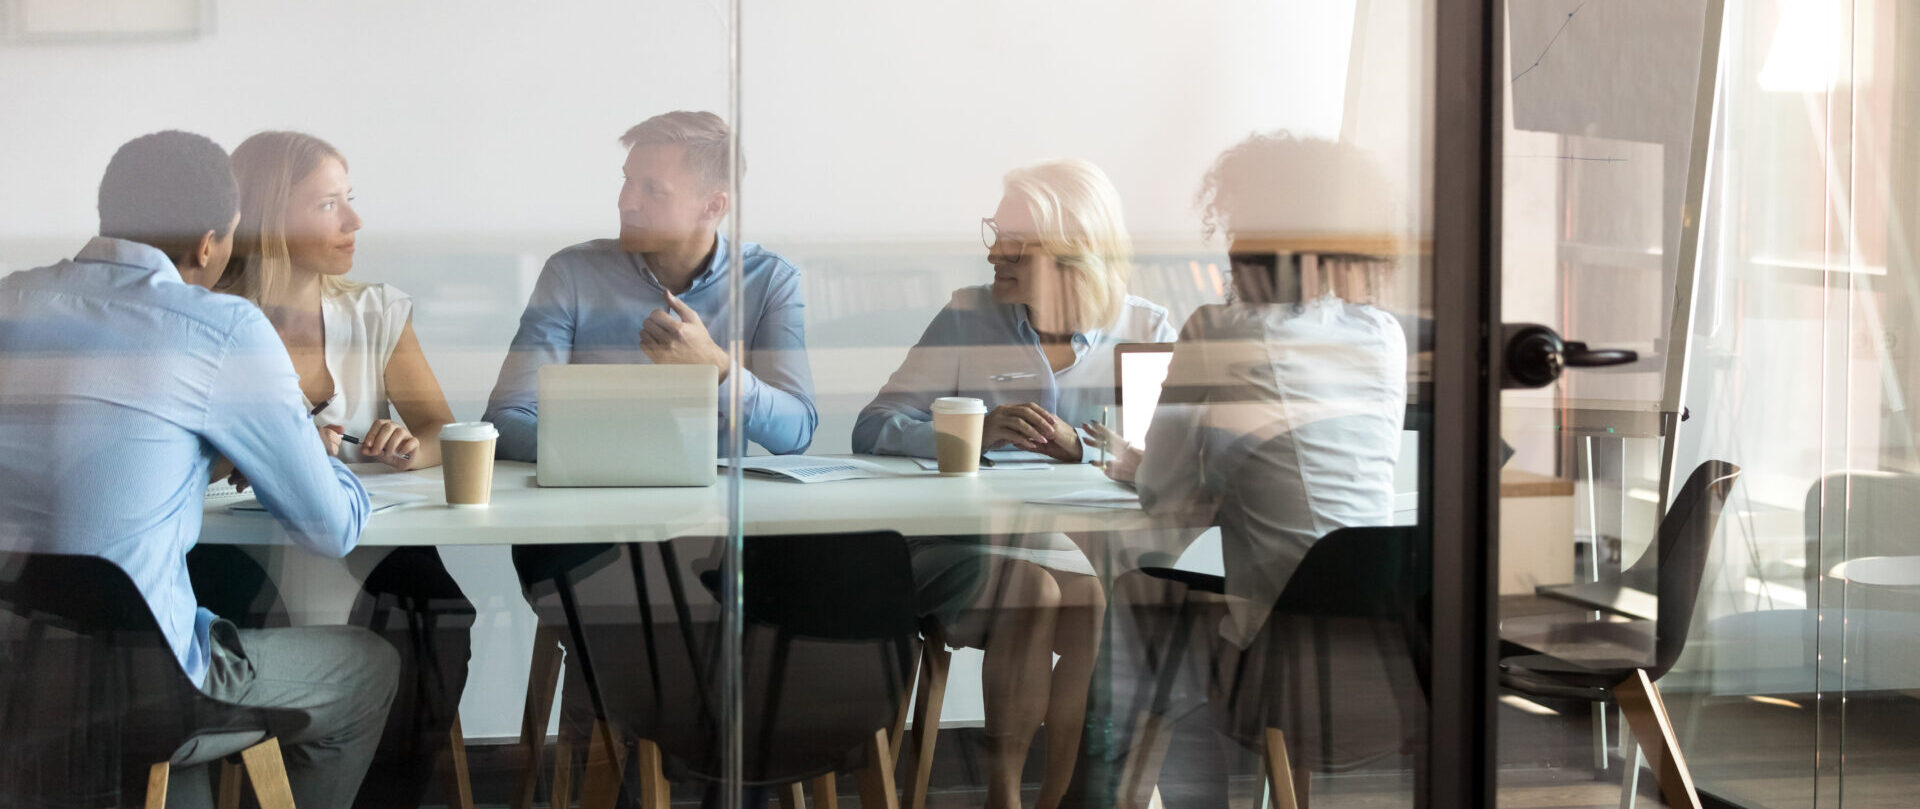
(379, 501)
(1108, 497)
(998, 466)
(805, 469)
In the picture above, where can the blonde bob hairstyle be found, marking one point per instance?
(1076, 211)
(267, 167)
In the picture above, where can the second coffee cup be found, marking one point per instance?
(466, 460)
(957, 421)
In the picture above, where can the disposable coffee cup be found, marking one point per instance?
(956, 434)
(466, 461)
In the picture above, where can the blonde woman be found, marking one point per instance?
(360, 365)
(1037, 346)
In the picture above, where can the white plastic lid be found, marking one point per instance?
(958, 405)
(469, 431)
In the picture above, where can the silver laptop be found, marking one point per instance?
(628, 425)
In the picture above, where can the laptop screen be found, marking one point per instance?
(1138, 371)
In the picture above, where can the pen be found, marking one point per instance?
(319, 407)
(351, 440)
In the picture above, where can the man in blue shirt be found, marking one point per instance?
(658, 294)
(122, 380)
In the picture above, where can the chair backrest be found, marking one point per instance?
(1341, 663)
(1361, 572)
(831, 635)
(89, 682)
(1683, 542)
(1873, 512)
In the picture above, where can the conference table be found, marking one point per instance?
(912, 501)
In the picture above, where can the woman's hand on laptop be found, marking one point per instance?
(1123, 458)
(679, 337)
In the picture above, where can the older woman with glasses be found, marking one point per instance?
(1036, 345)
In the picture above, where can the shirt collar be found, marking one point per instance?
(108, 250)
(716, 266)
(1081, 340)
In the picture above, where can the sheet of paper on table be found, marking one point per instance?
(933, 464)
(1104, 497)
(807, 469)
(379, 501)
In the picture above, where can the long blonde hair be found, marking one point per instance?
(1077, 212)
(267, 167)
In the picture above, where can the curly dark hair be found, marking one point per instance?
(1281, 181)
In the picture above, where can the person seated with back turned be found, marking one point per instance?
(1036, 346)
(1281, 411)
(122, 380)
(1280, 420)
(658, 294)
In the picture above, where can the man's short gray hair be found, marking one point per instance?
(704, 135)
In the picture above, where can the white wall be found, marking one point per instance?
(482, 136)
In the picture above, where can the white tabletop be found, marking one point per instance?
(1880, 571)
(916, 504)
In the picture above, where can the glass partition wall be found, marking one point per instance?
(1010, 404)
(1792, 687)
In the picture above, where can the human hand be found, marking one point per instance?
(679, 337)
(1030, 427)
(330, 438)
(1123, 459)
(390, 444)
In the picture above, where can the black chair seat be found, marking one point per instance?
(1545, 675)
(1197, 582)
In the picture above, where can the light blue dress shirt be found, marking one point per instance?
(588, 307)
(989, 351)
(119, 385)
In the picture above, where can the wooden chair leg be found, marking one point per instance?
(876, 779)
(655, 792)
(898, 731)
(229, 797)
(157, 785)
(542, 678)
(794, 796)
(268, 774)
(932, 694)
(826, 792)
(563, 772)
(459, 785)
(1140, 776)
(606, 764)
(1280, 773)
(1646, 714)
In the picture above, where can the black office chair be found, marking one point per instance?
(424, 723)
(548, 574)
(1685, 536)
(1354, 614)
(90, 685)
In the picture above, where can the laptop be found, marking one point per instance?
(1139, 370)
(628, 425)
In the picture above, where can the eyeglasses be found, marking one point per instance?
(1013, 250)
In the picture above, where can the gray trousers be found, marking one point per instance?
(331, 685)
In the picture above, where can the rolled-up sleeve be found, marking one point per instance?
(776, 383)
(899, 421)
(545, 337)
(255, 419)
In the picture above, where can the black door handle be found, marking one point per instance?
(1535, 356)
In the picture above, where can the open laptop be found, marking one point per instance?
(1139, 370)
(628, 425)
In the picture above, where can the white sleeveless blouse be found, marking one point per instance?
(362, 325)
